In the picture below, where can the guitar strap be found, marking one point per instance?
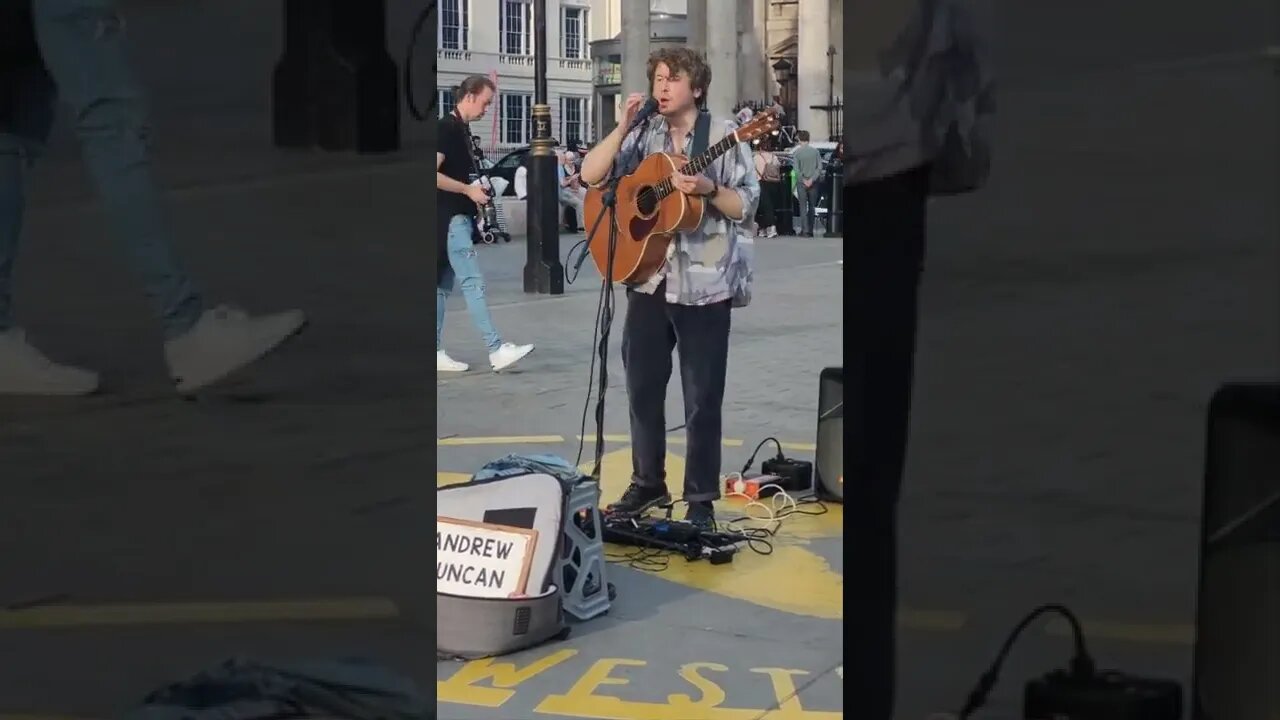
(701, 131)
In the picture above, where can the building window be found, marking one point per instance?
(514, 25)
(573, 119)
(573, 33)
(455, 23)
(515, 118)
(444, 101)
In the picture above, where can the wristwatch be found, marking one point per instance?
(715, 188)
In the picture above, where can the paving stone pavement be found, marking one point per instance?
(779, 344)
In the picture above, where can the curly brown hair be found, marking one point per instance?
(686, 62)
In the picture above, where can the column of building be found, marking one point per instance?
(635, 48)
(751, 64)
(722, 55)
(696, 19)
(812, 71)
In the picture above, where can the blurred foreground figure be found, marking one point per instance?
(74, 50)
(918, 89)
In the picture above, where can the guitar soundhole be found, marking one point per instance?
(646, 201)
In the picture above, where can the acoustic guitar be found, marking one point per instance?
(651, 212)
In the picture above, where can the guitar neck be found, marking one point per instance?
(704, 160)
(698, 164)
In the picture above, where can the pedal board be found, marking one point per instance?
(675, 536)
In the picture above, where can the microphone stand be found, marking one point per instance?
(609, 200)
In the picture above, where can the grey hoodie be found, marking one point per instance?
(897, 118)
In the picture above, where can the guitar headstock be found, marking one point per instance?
(760, 124)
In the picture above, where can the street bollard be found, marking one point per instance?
(785, 210)
(543, 272)
(835, 211)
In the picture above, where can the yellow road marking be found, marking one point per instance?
(929, 620)
(812, 587)
(39, 717)
(792, 579)
(727, 442)
(613, 438)
(500, 440)
(607, 438)
(198, 612)
(1148, 634)
(451, 478)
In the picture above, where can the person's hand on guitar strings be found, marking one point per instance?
(692, 184)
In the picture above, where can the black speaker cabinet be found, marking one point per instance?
(1237, 654)
(829, 457)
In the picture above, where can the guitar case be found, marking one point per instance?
(526, 491)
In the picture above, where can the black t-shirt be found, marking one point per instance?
(455, 143)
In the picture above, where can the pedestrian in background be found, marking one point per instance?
(807, 165)
(75, 50)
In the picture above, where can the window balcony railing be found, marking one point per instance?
(469, 61)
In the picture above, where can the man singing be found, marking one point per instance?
(458, 200)
(687, 304)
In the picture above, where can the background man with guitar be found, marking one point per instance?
(458, 200)
(706, 270)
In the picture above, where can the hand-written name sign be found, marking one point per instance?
(482, 560)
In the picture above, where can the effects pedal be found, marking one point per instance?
(794, 476)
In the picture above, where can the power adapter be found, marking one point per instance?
(795, 476)
(755, 487)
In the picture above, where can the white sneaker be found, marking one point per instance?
(24, 370)
(224, 341)
(444, 363)
(508, 355)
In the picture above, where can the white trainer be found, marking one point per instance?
(24, 370)
(224, 341)
(444, 363)
(508, 355)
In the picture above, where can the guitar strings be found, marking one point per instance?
(664, 187)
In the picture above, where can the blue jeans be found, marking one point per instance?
(81, 42)
(465, 267)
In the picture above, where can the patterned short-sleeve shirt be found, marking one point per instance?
(714, 262)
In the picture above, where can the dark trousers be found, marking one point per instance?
(886, 222)
(653, 329)
(808, 198)
(766, 216)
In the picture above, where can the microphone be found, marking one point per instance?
(645, 112)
